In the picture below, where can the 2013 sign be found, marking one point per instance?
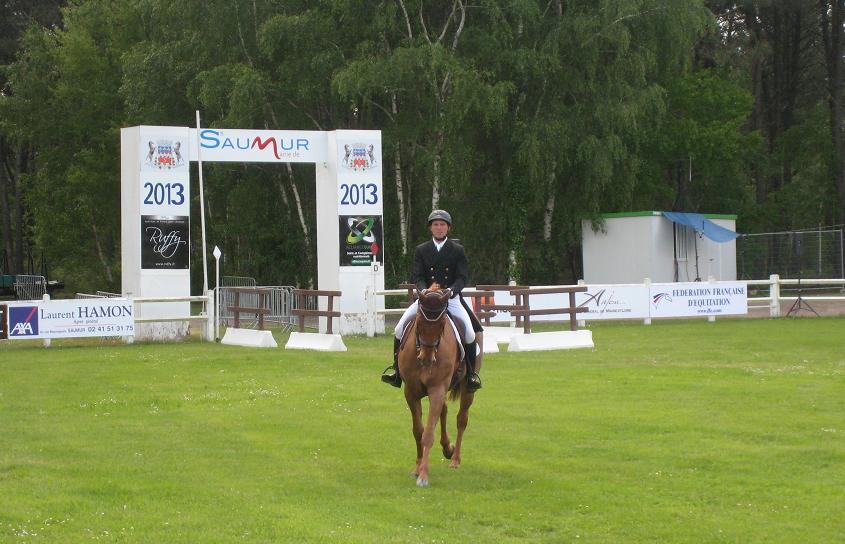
(170, 194)
(361, 193)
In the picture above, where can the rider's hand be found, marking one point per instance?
(451, 293)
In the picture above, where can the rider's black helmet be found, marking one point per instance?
(442, 215)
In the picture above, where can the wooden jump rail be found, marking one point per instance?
(412, 294)
(572, 310)
(478, 295)
(489, 310)
(478, 303)
(259, 311)
(301, 312)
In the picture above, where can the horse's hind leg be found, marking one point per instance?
(448, 447)
(463, 419)
(437, 399)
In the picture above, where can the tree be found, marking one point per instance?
(15, 157)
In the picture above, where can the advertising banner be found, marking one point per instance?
(697, 299)
(165, 242)
(361, 240)
(165, 200)
(246, 145)
(613, 302)
(71, 318)
(639, 301)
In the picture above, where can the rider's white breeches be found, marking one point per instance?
(456, 310)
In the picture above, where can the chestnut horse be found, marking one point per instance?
(429, 357)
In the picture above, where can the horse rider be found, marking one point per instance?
(442, 261)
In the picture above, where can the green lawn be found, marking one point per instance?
(682, 431)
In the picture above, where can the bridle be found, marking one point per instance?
(431, 315)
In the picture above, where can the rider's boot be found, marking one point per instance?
(393, 379)
(473, 381)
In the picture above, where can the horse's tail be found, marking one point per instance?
(455, 393)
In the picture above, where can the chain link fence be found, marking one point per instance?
(791, 254)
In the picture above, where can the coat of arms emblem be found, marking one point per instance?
(164, 154)
(358, 157)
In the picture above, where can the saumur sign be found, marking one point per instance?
(236, 145)
(156, 214)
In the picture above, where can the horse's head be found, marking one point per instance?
(431, 317)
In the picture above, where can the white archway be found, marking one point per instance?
(155, 211)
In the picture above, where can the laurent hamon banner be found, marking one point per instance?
(70, 318)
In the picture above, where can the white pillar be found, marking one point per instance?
(155, 225)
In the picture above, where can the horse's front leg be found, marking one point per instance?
(437, 399)
(415, 405)
(448, 447)
(463, 419)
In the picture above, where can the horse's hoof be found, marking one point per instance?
(448, 452)
(454, 465)
(422, 482)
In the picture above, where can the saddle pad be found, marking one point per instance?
(407, 329)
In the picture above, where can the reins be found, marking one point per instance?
(420, 343)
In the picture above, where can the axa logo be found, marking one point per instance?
(280, 147)
(23, 321)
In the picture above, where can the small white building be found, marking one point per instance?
(662, 246)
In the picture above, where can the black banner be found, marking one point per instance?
(361, 240)
(165, 242)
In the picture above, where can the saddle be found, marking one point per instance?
(433, 305)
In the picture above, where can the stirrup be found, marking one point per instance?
(391, 379)
(473, 382)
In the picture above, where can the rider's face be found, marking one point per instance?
(439, 229)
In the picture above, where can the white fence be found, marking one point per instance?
(205, 318)
(777, 288)
(773, 294)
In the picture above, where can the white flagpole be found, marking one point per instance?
(202, 210)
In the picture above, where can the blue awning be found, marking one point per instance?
(702, 225)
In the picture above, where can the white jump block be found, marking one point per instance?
(499, 335)
(490, 346)
(315, 341)
(250, 338)
(542, 341)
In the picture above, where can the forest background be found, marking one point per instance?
(521, 117)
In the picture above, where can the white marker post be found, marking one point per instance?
(217, 253)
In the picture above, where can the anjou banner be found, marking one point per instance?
(30, 320)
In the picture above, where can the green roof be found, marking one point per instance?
(654, 213)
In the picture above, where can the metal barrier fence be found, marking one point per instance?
(30, 287)
(227, 296)
(278, 300)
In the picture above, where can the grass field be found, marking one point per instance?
(681, 431)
